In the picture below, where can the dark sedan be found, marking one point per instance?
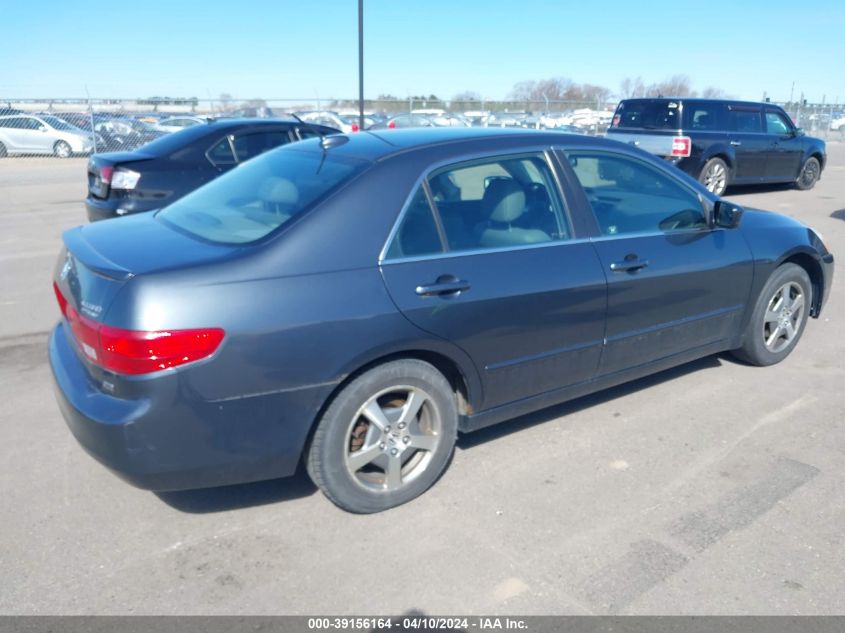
(120, 183)
(356, 301)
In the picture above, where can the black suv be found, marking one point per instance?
(722, 142)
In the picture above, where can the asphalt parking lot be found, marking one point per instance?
(714, 488)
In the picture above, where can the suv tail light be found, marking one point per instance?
(355, 127)
(616, 119)
(681, 146)
(134, 351)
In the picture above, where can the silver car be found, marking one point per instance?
(42, 134)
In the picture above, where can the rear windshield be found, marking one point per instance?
(260, 195)
(649, 114)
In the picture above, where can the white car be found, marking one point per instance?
(174, 124)
(837, 123)
(42, 134)
(344, 123)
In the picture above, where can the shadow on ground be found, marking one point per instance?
(838, 214)
(503, 429)
(225, 498)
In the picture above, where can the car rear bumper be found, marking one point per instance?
(170, 439)
(104, 209)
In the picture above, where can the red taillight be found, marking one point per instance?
(392, 125)
(616, 119)
(681, 146)
(61, 299)
(355, 127)
(106, 174)
(137, 352)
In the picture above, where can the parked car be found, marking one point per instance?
(124, 133)
(404, 121)
(837, 123)
(174, 124)
(344, 123)
(356, 300)
(120, 183)
(722, 142)
(42, 134)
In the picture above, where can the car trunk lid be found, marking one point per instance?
(101, 168)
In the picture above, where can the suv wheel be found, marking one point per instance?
(385, 438)
(714, 176)
(809, 175)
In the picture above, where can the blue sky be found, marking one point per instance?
(308, 49)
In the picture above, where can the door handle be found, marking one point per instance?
(443, 286)
(736, 143)
(629, 265)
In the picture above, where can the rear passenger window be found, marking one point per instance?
(221, 154)
(629, 196)
(250, 145)
(703, 116)
(417, 234)
(495, 203)
(744, 121)
(486, 204)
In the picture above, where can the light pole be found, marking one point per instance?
(360, 64)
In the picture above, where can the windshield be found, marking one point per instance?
(57, 124)
(651, 114)
(260, 195)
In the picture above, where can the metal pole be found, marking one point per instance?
(361, 64)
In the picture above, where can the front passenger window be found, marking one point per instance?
(630, 196)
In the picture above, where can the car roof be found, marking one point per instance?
(383, 143)
(703, 99)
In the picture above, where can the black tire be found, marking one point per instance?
(3, 152)
(62, 149)
(715, 176)
(809, 175)
(769, 317)
(347, 436)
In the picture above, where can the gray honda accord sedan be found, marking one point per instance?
(354, 302)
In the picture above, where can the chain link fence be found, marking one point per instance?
(79, 127)
(825, 121)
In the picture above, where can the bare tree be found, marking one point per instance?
(597, 94)
(632, 88)
(466, 100)
(674, 86)
(712, 92)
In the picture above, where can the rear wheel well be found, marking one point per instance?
(443, 364)
(814, 271)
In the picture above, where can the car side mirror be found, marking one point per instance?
(727, 215)
(799, 132)
(42, 128)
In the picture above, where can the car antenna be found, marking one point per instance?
(308, 124)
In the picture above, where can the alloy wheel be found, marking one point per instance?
(783, 317)
(715, 178)
(391, 439)
(810, 173)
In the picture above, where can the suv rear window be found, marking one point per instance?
(649, 114)
(260, 195)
